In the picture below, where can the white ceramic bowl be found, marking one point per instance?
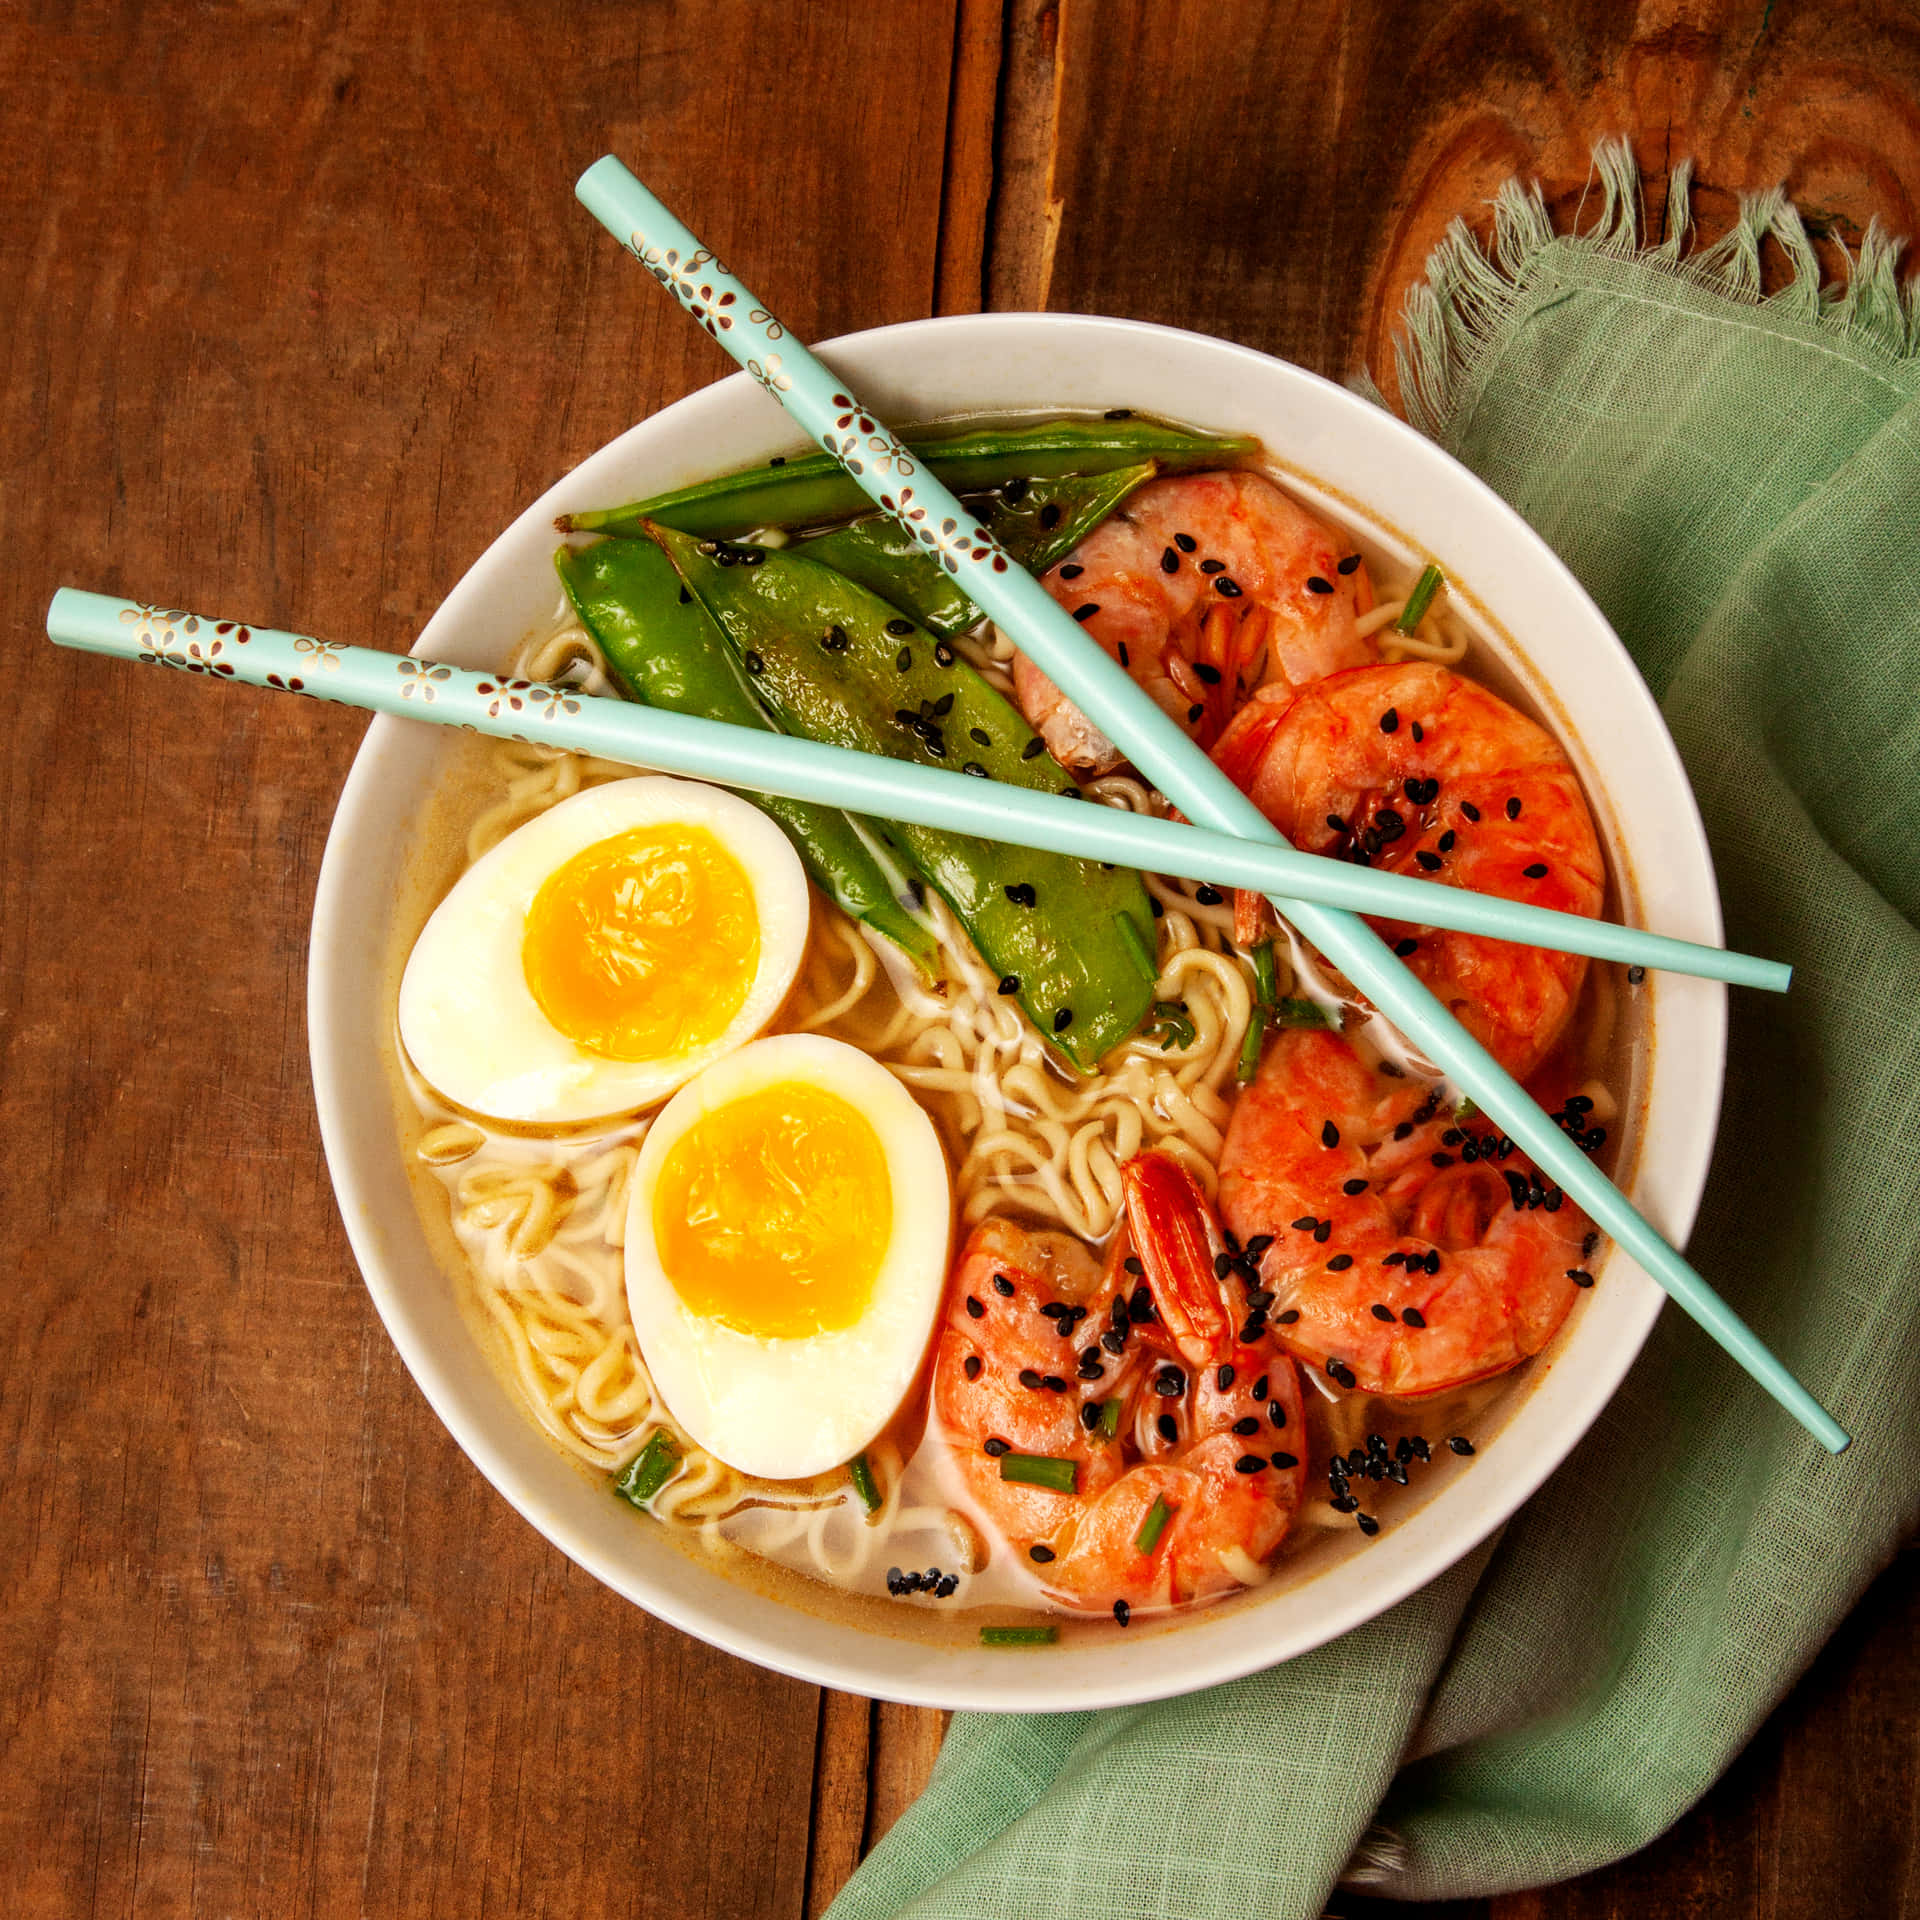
(1381, 479)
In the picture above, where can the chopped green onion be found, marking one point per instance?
(1018, 1636)
(1420, 599)
(1249, 1062)
(1466, 1110)
(1266, 976)
(1154, 1525)
(1173, 1024)
(1109, 1419)
(1136, 944)
(862, 1477)
(1303, 1013)
(649, 1470)
(1041, 1470)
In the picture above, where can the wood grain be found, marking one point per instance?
(305, 315)
(302, 315)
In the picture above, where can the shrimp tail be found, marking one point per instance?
(1178, 1242)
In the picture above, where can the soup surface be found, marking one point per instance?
(919, 1535)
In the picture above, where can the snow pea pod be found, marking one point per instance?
(1037, 521)
(1070, 938)
(810, 490)
(664, 650)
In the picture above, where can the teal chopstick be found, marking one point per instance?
(883, 468)
(861, 782)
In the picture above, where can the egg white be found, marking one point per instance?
(784, 1409)
(470, 1023)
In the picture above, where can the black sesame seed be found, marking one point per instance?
(1446, 840)
(1169, 561)
(1469, 809)
(1022, 894)
(1194, 712)
(1316, 585)
(1167, 1427)
(1088, 611)
(1119, 413)
(1461, 1444)
(1249, 1463)
(1538, 871)
(1140, 1307)
(1222, 1265)
(1003, 1286)
(1209, 675)
(1072, 571)
(943, 655)
(1635, 975)
(1290, 1316)
(995, 1447)
(1090, 1415)
(1580, 1276)
(1063, 1019)
(1382, 1313)
(1122, 1612)
(1185, 542)
(948, 1587)
(1367, 1524)
(1054, 1384)
(835, 640)
(1029, 1379)
(1284, 1461)
(1390, 721)
(1441, 1159)
(1323, 1232)
(1114, 1340)
(1406, 949)
(971, 1366)
(1040, 1553)
(1126, 659)
(1009, 983)
(753, 662)
(1336, 823)
(1413, 1316)
(1033, 749)
(1349, 565)
(1133, 1266)
(973, 767)
(1329, 1134)
(1276, 1414)
(1258, 1245)
(1248, 1425)
(1213, 566)
(1169, 1382)
(1209, 896)
(943, 706)
(1055, 1309)
(1344, 1503)
(1429, 862)
(1224, 1378)
(976, 1309)
(1340, 1263)
(1340, 1372)
(899, 628)
(1260, 1388)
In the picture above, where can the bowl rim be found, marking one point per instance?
(944, 1676)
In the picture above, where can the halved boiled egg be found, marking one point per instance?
(787, 1235)
(604, 953)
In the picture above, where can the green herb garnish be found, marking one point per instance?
(1304, 1013)
(1420, 599)
(1173, 1025)
(862, 1477)
(1154, 1525)
(1041, 1470)
(1109, 1419)
(1249, 1062)
(1266, 976)
(649, 1470)
(1466, 1110)
(1018, 1636)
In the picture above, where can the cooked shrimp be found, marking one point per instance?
(1414, 769)
(1202, 587)
(1406, 1252)
(1204, 1398)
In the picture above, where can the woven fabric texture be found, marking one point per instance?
(1736, 480)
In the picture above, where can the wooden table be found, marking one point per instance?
(300, 314)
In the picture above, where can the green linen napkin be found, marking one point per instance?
(1737, 482)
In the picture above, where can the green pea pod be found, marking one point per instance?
(1037, 521)
(834, 662)
(665, 652)
(810, 490)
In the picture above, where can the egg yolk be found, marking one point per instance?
(772, 1214)
(643, 946)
